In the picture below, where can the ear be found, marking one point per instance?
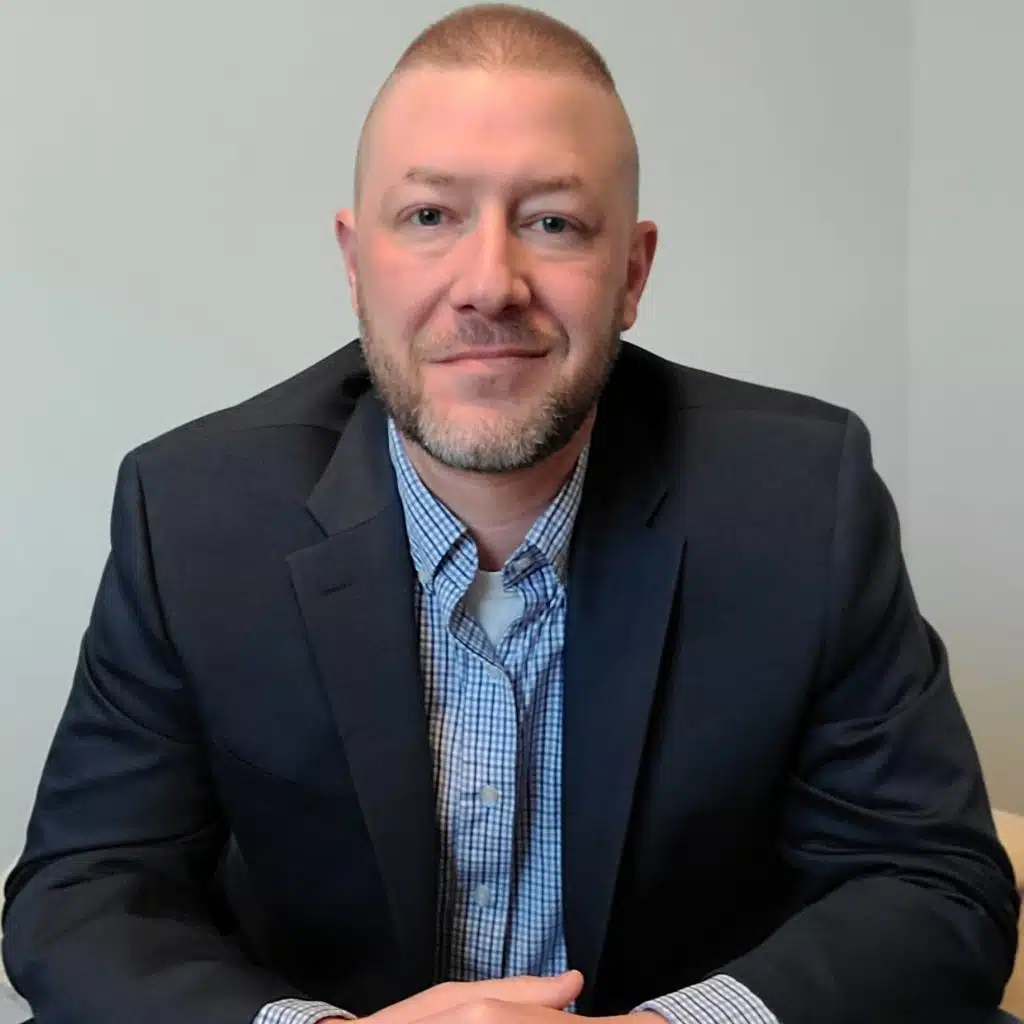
(641, 256)
(345, 232)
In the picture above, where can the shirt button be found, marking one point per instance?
(489, 795)
(482, 896)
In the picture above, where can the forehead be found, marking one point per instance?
(502, 122)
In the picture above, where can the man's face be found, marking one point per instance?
(494, 258)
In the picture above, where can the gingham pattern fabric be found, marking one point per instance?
(719, 1000)
(495, 723)
(494, 717)
(298, 1011)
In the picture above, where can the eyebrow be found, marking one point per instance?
(526, 186)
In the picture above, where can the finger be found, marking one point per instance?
(556, 992)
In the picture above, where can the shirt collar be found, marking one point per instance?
(438, 540)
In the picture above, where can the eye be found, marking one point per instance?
(427, 217)
(554, 225)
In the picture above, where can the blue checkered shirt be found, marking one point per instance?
(495, 723)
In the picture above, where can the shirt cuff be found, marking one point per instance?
(298, 1011)
(718, 1000)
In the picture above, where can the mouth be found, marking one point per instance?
(492, 354)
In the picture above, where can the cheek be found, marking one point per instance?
(395, 286)
(585, 303)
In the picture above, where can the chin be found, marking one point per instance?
(470, 436)
(482, 421)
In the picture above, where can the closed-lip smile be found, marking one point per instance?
(486, 352)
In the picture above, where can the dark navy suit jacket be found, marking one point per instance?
(766, 772)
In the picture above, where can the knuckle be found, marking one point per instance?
(480, 1010)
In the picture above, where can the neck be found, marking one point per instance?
(499, 508)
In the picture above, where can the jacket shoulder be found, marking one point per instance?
(684, 387)
(319, 398)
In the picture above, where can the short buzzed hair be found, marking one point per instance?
(498, 36)
(495, 37)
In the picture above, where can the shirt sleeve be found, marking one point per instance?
(718, 1000)
(298, 1011)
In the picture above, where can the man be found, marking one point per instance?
(414, 683)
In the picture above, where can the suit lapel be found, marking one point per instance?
(355, 591)
(623, 580)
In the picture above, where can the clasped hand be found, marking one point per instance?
(523, 1000)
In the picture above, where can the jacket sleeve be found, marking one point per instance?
(108, 914)
(904, 907)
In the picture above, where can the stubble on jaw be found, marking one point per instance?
(489, 446)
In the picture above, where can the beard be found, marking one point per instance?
(521, 436)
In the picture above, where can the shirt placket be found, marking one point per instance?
(539, 946)
(486, 820)
(483, 821)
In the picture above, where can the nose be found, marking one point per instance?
(491, 278)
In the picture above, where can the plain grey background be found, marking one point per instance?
(838, 184)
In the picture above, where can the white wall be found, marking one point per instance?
(966, 317)
(168, 174)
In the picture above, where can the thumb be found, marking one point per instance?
(556, 992)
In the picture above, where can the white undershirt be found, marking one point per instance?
(491, 605)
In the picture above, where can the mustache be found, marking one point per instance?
(479, 333)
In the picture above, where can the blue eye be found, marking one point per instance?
(554, 225)
(428, 217)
